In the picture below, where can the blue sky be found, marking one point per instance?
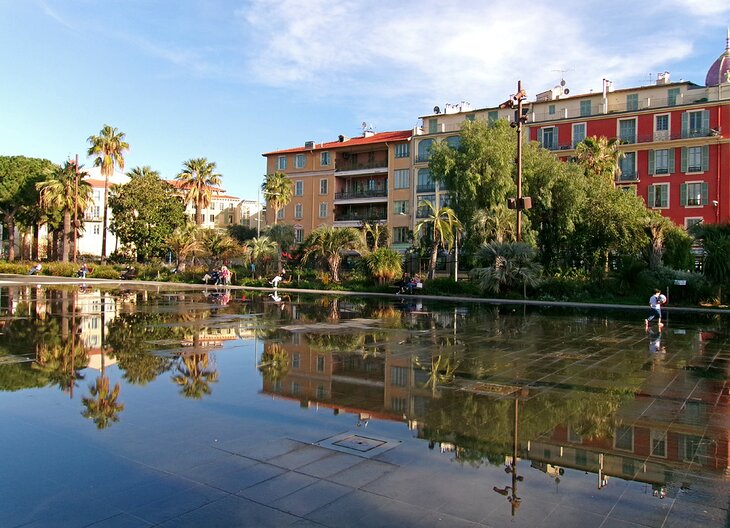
(231, 79)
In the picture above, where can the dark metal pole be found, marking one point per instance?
(519, 161)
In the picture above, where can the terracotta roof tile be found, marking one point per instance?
(381, 137)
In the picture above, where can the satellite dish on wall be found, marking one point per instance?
(566, 91)
(562, 82)
(436, 110)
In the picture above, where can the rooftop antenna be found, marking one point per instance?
(562, 75)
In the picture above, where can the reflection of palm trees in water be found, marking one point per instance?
(195, 373)
(441, 370)
(102, 407)
(274, 362)
(61, 363)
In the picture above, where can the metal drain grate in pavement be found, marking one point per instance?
(357, 444)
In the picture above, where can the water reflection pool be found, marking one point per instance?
(141, 408)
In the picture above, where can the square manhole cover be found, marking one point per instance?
(360, 443)
(355, 444)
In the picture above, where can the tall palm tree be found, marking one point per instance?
(259, 250)
(443, 226)
(199, 179)
(375, 231)
(185, 243)
(384, 264)
(218, 246)
(600, 156)
(277, 189)
(57, 193)
(108, 151)
(329, 242)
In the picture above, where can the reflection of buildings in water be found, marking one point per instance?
(96, 309)
(97, 359)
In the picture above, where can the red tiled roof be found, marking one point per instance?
(380, 137)
(178, 184)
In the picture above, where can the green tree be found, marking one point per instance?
(241, 233)
(146, 212)
(57, 195)
(108, 151)
(195, 373)
(184, 242)
(384, 264)
(18, 178)
(198, 178)
(328, 243)
(218, 246)
(715, 240)
(657, 227)
(442, 226)
(376, 233)
(102, 407)
(260, 251)
(277, 189)
(274, 363)
(506, 266)
(600, 156)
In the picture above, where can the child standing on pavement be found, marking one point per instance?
(655, 307)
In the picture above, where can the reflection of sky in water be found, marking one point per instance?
(607, 414)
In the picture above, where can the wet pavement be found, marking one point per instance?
(145, 407)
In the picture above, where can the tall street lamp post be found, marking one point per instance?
(76, 206)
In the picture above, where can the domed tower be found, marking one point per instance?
(719, 72)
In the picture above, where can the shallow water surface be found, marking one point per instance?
(141, 407)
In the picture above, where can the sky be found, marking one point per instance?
(231, 79)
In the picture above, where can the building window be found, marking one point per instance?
(661, 161)
(97, 229)
(627, 130)
(659, 443)
(628, 167)
(551, 109)
(402, 150)
(423, 209)
(661, 127)
(425, 182)
(658, 197)
(280, 214)
(299, 188)
(696, 124)
(323, 187)
(401, 235)
(579, 133)
(281, 163)
(692, 221)
(298, 211)
(212, 219)
(445, 200)
(323, 210)
(230, 219)
(324, 158)
(424, 149)
(693, 194)
(453, 142)
(632, 102)
(433, 125)
(548, 137)
(492, 116)
(321, 392)
(402, 179)
(320, 363)
(695, 159)
(585, 108)
(399, 376)
(470, 117)
(298, 235)
(296, 360)
(400, 206)
(299, 161)
(673, 96)
(624, 438)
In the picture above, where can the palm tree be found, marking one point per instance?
(184, 242)
(274, 362)
(259, 250)
(443, 226)
(494, 224)
(199, 179)
(507, 266)
(384, 264)
(600, 157)
(377, 232)
(218, 246)
(329, 242)
(102, 407)
(108, 151)
(195, 373)
(57, 193)
(277, 189)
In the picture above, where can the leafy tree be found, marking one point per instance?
(108, 151)
(277, 189)
(716, 244)
(384, 264)
(376, 233)
(283, 235)
(442, 226)
(600, 157)
(507, 266)
(146, 213)
(241, 233)
(657, 227)
(57, 195)
(184, 242)
(495, 223)
(198, 178)
(274, 364)
(18, 178)
(218, 246)
(328, 243)
(678, 249)
(260, 251)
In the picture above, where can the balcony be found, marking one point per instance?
(343, 165)
(628, 177)
(367, 193)
(426, 188)
(362, 216)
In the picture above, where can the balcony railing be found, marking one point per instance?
(427, 187)
(368, 193)
(650, 138)
(364, 216)
(353, 165)
(628, 176)
(421, 157)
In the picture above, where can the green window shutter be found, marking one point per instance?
(706, 121)
(651, 162)
(539, 135)
(671, 160)
(683, 194)
(684, 159)
(664, 189)
(685, 124)
(705, 158)
(556, 143)
(650, 196)
(704, 193)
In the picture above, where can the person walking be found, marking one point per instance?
(655, 307)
